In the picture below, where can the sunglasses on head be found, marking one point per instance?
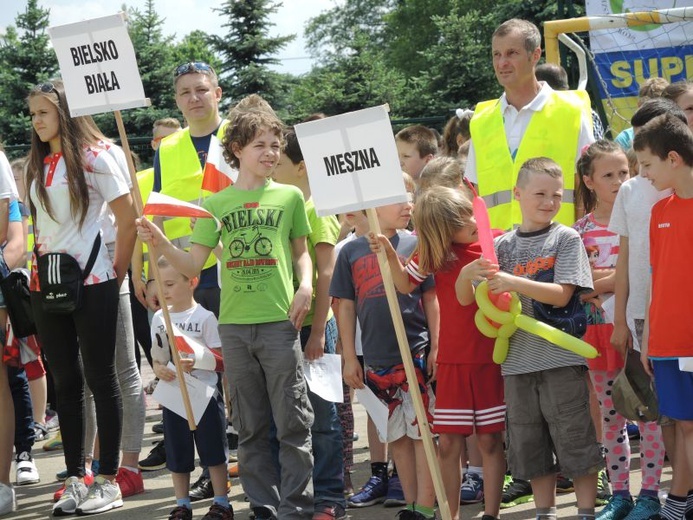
(46, 88)
(193, 67)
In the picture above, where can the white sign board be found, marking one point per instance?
(98, 65)
(352, 161)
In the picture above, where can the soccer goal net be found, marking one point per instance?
(621, 44)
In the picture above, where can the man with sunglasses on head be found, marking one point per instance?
(180, 160)
(178, 171)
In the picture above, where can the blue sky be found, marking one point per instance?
(183, 16)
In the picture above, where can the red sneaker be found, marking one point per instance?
(88, 481)
(130, 482)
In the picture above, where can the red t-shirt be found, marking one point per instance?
(671, 250)
(460, 342)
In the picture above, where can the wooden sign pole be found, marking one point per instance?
(409, 369)
(155, 270)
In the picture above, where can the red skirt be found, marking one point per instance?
(599, 336)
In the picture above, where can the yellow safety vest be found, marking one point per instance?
(552, 132)
(145, 180)
(182, 180)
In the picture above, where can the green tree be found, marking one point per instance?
(27, 60)
(358, 80)
(246, 50)
(333, 33)
(460, 71)
(195, 46)
(410, 30)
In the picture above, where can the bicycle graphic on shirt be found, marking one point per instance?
(251, 238)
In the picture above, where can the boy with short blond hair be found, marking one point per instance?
(416, 145)
(664, 147)
(546, 389)
(209, 438)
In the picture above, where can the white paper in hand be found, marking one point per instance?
(377, 410)
(168, 395)
(324, 377)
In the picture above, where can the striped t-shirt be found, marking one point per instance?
(558, 248)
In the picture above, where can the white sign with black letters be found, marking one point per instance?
(98, 65)
(352, 161)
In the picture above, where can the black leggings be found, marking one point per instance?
(88, 333)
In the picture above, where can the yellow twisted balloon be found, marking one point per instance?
(507, 322)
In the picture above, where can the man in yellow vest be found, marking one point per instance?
(180, 160)
(178, 171)
(529, 120)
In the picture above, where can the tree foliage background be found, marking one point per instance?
(423, 58)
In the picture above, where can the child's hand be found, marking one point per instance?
(152, 297)
(163, 372)
(148, 232)
(431, 367)
(140, 289)
(621, 339)
(501, 282)
(186, 364)
(300, 305)
(379, 243)
(315, 346)
(353, 373)
(478, 270)
(192, 222)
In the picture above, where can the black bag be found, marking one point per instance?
(62, 280)
(571, 319)
(15, 290)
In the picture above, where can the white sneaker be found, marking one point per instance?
(8, 501)
(26, 472)
(103, 495)
(75, 493)
(52, 422)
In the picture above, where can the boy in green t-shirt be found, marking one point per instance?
(263, 233)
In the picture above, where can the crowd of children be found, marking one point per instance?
(613, 279)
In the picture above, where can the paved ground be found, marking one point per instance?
(35, 501)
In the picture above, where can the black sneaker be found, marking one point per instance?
(156, 459)
(180, 513)
(158, 427)
(516, 492)
(201, 489)
(564, 484)
(261, 513)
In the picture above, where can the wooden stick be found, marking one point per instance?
(401, 334)
(155, 270)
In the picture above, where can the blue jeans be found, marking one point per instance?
(328, 469)
(24, 434)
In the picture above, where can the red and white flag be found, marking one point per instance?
(167, 206)
(205, 358)
(218, 173)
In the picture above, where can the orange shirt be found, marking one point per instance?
(671, 251)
